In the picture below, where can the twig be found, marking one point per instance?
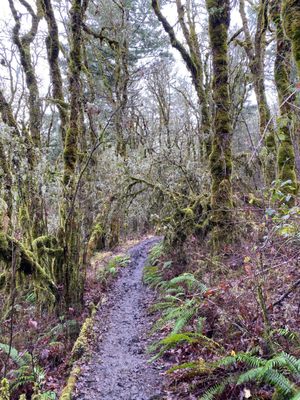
(286, 294)
(267, 126)
(98, 143)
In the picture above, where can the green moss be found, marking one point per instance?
(114, 232)
(69, 388)
(2, 281)
(291, 21)
(286, 163)
(97, 239)
(70, 154)
(188, 212)
(27, 264)
(4, 389)
(46, 245)
(86, 333)
(4, 247)
(270, 142)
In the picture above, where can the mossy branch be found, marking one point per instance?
(28, 265)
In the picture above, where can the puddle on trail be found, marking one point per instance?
(119, 369)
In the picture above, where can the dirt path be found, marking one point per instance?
(119, 369)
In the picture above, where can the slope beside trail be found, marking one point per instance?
(118, 369)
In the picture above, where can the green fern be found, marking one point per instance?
(175, 313)
(189, 280)
(171, 341)
(27, 371)
(175, 339)
(178, 310)
(297, 396)
(214, 391)
(288, 334)
(19, 360)
(155, 253)
(194, 365)
(152, 276)
(276, 372)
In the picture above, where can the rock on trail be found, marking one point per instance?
(119, 369)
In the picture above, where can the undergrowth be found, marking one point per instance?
(26, 374)
(109, 270)
(217, 373)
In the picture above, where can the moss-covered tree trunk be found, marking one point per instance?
(255, 49)
(70, 274)
(31, 207)
(52, 44)
(7, 178)
(291, 21)
(286, 154)
(221, 158)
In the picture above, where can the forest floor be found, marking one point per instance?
(214, 311)
(118, 369)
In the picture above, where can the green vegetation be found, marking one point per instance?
(106, 140)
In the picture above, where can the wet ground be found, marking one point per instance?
(118, 369)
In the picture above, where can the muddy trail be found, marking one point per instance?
(118, 369)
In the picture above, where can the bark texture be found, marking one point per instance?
(221, 158)
(291, 19)
(286, 154)
(70, 272)
(255, 49)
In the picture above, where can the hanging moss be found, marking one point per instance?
(27, 264)
(46, 245)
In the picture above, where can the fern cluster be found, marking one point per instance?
(179, 303)
(27, 372)
(155, 253)
(105, 273)
(178, 306)
(281, 372)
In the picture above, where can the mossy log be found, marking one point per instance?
(82, 343)
(69, 388)
(80, 348)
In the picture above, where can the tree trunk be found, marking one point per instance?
(286, 154)
(70, 276)
(221, 158)
(291, 21)
(255, 50)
